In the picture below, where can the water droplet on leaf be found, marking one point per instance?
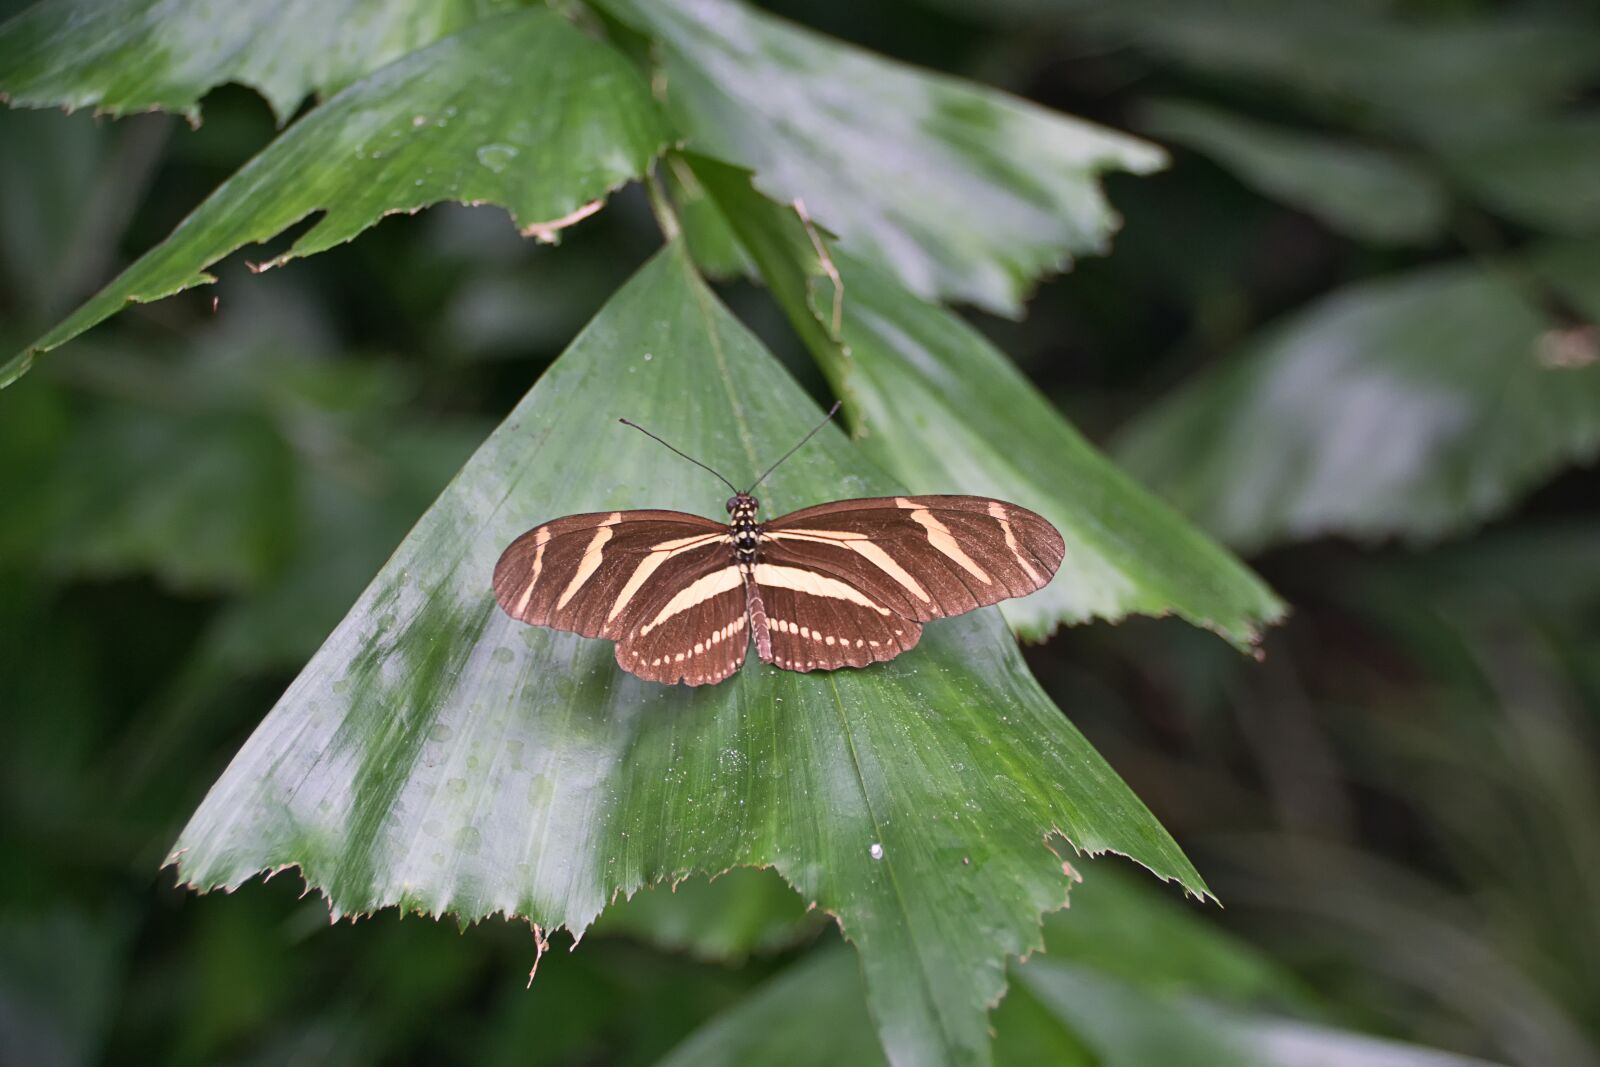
(496, 156)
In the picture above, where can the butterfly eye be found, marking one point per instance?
(754, 503)
(733, 502)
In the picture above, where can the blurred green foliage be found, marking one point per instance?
(1397, 807)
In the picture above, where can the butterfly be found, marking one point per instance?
(842, 584)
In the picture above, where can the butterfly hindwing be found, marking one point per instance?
(696, 633)
(817, 621)
(924, 557)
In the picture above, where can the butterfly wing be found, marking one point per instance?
(809, 619)
(696, 632)
(596, 574)
(836, 585)
(921, 557)
(662, 584)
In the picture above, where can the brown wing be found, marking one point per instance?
(596, 574)
(696, 633)
(921, 557)
(809, 620)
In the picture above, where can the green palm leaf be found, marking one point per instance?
(437, 756)
(523, 111)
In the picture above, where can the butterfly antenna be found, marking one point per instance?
(831, 413)
(681, 452)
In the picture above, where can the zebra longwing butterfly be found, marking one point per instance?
(844, 584)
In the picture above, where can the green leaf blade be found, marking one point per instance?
(961, 192)
(946, 412)
(741, 912)
(1412, 406)
(437, 755)
(1369, 193)
(1539, 171)
(452, 122)
(148, 55)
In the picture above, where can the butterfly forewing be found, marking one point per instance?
(596, 574)
(923, 557)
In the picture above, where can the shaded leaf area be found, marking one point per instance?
(1124, 929)
(437, 756)
(1475, 579)
(1414, 70)
(961, 192)
(1540, 171)
(1413, 406)
(1428, 944)
(1293, 1044)
(81, 504)
(727, 918)
(73, 186)
(59, 973)
(253, 475)
(1368, 193)
(1477, 716)
(115, 523)
(120, 56)
(941, 408)
(217, 471)
(1122, 1025)
(523, 111)
(1209, 1000)
(1128, 1027)
(765, 1027)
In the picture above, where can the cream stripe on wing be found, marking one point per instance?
(590, 561)
(940, 538)
(539, 541)
(804, 581)
(696, 592)
(863, 547)
(997, 511)
(658, 555)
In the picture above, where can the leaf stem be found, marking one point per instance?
(661, 207)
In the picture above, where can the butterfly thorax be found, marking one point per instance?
(744, 530)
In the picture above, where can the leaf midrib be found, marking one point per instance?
(833, 685)
(894, 883)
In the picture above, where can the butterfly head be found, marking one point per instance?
(743, 506)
